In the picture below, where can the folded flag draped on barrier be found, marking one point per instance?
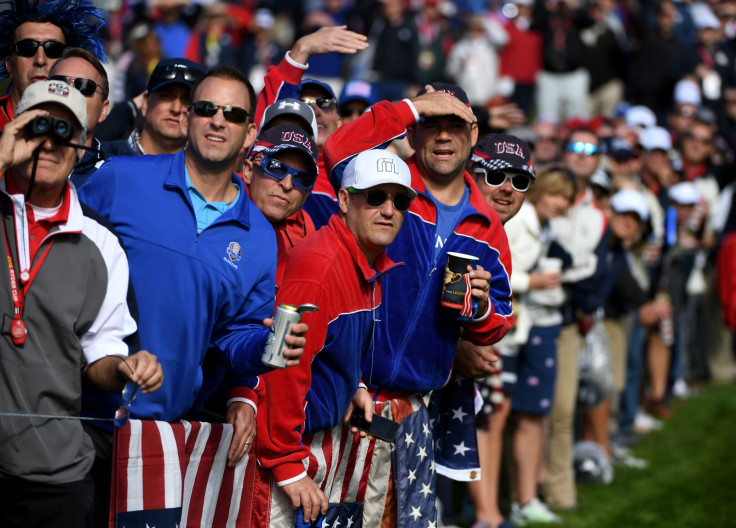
(176, 475)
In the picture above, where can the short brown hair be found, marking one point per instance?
(92, 59)
(553, 179)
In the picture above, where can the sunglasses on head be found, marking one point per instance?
(579, 147)
(234, 114)
(87, 87)
(278, 170)
(167, 73)
(27, 48)
(378, 197)
(519, 182)
(323, 103)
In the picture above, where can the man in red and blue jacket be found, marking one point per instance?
(340, 268)
(415, 352)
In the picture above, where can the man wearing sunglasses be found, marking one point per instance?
(415, 352)
(202, 257)
(67, 319)
(82, 70)
(280, 175)
(340, 269)
(164, 109)
(33, 36)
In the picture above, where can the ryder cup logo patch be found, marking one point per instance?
(234, 251)
(59, 88)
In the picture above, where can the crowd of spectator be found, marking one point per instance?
(599, 138)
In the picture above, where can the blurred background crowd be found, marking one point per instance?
(619, 95)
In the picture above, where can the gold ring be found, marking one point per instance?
(247, 443)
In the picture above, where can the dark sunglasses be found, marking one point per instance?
(167, 73)
(519, 182)
(122, 415)
(278, 170)
(579, 147)
(323, 103)
(87, 87)
(234, 114)
(27, 48)
(378, 197)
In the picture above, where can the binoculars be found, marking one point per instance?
(60, 130)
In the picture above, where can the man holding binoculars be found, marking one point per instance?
(63, 301)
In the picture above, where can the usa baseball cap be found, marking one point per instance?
(291, 107)
(357, 91)
(57, 92)
(504, 152)
(286, 137)
(451, 89)
(618, 148)
(377, 167)
(174, 71)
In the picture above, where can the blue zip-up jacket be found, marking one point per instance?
(194, 291)
(415, 352)
(327, 269)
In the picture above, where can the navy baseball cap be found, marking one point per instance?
(618, 148)
(326, 88)
(451, 89)
(287, 137)
(504, 152)
(174, 71)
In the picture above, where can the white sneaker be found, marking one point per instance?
(680, 389)
(646, 423)
(534, 511)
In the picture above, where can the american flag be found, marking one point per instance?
(452, 410)
(176, 475)
(354, 473)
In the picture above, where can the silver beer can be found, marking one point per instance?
(286, 315)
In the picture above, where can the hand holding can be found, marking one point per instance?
(456, 289)
(285, 317)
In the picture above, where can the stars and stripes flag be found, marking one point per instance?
(176, 475)
(452, 410)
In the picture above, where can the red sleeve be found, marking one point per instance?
(275, 79)
(374, 129)
(281, 418)
(497, 324)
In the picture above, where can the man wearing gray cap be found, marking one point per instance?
(339, 269)
(66, 315)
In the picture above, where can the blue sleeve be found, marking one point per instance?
(592, 293)
(243, 336)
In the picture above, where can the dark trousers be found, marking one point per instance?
(101, 473)
(28, 504)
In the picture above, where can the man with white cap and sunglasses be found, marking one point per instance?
(339, 269)
(66, 315)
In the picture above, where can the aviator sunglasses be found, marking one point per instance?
(278, 170)
(519, 182)
(27, 48)
(323, 103)
(170, 72)
(87, 87)
(234, 114)
(378, 197)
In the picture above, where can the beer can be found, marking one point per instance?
(286, 315)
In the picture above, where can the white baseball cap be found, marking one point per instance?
(57, 92)
(640, 116)
(630, 201)
(687, 92)
(654, 138)
(684, 193)
(376, 167)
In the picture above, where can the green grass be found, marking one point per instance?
(691, 479)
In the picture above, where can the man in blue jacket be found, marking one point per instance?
(202, 257)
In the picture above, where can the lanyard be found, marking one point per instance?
(18, 330)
